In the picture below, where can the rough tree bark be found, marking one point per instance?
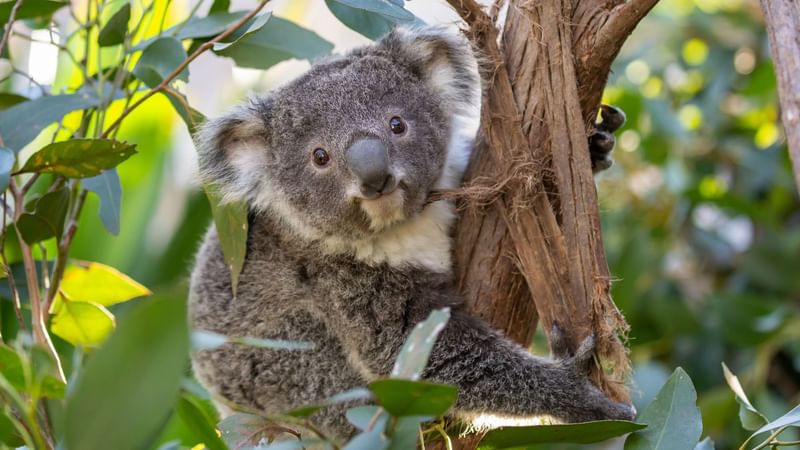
(528, 244)
(783, 24)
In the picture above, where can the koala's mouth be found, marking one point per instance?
(386, 210)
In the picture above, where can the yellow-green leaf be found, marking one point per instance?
(100, 284)
(82, 323)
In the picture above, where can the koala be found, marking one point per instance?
(346, 251)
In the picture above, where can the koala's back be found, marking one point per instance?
(271, 303)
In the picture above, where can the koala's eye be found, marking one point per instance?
(321, 157)
(397, 125)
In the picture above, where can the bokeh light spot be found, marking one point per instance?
(744, 61)
(691, 117)
(637, 71)
(766, 135)
(695, 51)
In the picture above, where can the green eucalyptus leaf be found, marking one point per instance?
(125, 392)
(79, 158)
(672, 418)
(255, 25)
(8, 432)
(22, 122)
(705, 444)
(208, 340)
(365, 22)
(790, 419)
(347, 396)
(8, 100)
(413, 398)
(362, 417)
(30, 9)
(578, 433)
(405, 434)
(47, 219)
(413, 357)
(113, 33)
(7, 160)
(159, 59)
(190, 116)
(230, 219)
(373, 439)
(220, 6)
(107, 186)
(193, 416)
(85, 324)
(276, 41)
(750, 417)
(385, 8)
(11, 368)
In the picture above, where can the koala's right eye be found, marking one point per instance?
(320, 157)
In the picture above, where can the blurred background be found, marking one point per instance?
(700, 212)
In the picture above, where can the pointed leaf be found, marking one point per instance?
(255, 25)
(749, 416)
(108, 188)
(278, 40)
(7, 159)
(79, 158)
(220, 6)
(47, 219)
(190, 116)
(159, 59)
(705, 444)
(22, 122)
(7, 100)
(368, 440)
(362, 20)
(413, 398)
(383, 7)
(414, 355)
(578, 433)
(207, 340)
(362, 417)
(193, 416)
(230, 219)
(672, 418)
(113, 32)
(30, 9)
(82, 323)
(100, 284)
(125, 392)
(347, 396)
(790, 419)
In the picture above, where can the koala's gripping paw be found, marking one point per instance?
(602, 141)
(588, 403)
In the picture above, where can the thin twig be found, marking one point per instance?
(174, 74)
(40, 335)
(12, 283)
(63, 250)
(10, 24)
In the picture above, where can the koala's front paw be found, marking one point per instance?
(602, 141)
(587, 402)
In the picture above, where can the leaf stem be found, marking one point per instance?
(38, 315)
(174, 74)
(10, 24)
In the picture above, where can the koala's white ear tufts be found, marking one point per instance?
(445, 60)
(232, 151)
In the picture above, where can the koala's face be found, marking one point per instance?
(356, 144)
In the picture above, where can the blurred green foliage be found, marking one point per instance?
(701, 217)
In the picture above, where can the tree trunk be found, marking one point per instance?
(783, 27)
(528, 243)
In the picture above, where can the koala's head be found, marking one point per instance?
(355, 145)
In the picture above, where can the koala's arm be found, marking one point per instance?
(493, 374)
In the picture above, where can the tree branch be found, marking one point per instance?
(782, 18)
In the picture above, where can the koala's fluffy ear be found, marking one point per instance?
(445, 60)
(232, 151)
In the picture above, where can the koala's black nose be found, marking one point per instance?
(369, 161)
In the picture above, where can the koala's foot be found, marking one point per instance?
(602, 141)
(590, 403)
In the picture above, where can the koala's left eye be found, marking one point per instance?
(397, 125)
(321, 157)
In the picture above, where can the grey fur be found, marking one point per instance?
(307, 277)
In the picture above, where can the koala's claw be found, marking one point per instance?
(602, 141)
